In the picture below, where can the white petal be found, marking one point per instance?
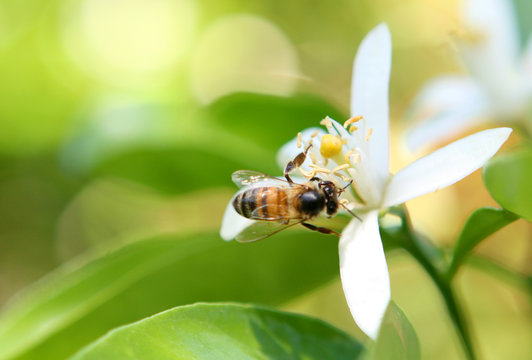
(233, 223)
(290, 150)
(364, 273)
(446, 106)
(369, 92)
(445, 166)
(494, 55)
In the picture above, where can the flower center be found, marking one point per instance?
(342, 156)
(330, 146)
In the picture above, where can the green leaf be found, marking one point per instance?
(397, 339)
(150, 147)
(176, 170)
(270, 121)
(482, 223)
(508, 179)
(224, 331)
(175, 151)
(79, 303)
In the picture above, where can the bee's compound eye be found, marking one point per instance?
(311, 203)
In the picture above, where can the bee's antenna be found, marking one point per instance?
(352, 213)
(345, 207)
(345, 187)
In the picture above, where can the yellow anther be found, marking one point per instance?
(313, 158)
(299, 137)
(356, 158)
(325, 161)
(327, 122)
(343, 177)
(353, 120)
(307, 174)
(314, 134)
(348, 156)
(370, 131)
(330, 145)
(320, 169)
(340, 168)
(344, 201)
(353, 128)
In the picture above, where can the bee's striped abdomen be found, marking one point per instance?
(245, 202)
(263, 203)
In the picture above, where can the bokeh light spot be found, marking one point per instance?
(128, 41)
(244, 53)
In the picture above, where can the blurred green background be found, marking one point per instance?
(121, 121)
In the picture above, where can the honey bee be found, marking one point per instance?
(278, 204)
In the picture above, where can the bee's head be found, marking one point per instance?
(330, 193)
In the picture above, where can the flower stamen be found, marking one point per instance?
(307, 174)
(326, 122)
(319, 169)
(314, 134)
(353, 128)
(299, 138)
(352, 120)
(343, 177)
(313, 158)
(348, 156)
(340, 168)
(370, 131)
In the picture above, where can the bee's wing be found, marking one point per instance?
(262, 229)
(250, 177)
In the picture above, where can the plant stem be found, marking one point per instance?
(412, 245)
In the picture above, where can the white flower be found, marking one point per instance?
(362, 156)
(500, 86)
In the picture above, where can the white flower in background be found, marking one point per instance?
(500, 85)
(358, 151)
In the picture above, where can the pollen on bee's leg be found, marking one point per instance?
(330, 145)
(352, 120)
(299, 138)
(344, 201)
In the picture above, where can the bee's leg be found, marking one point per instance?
(322, 230)
(294, 164)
